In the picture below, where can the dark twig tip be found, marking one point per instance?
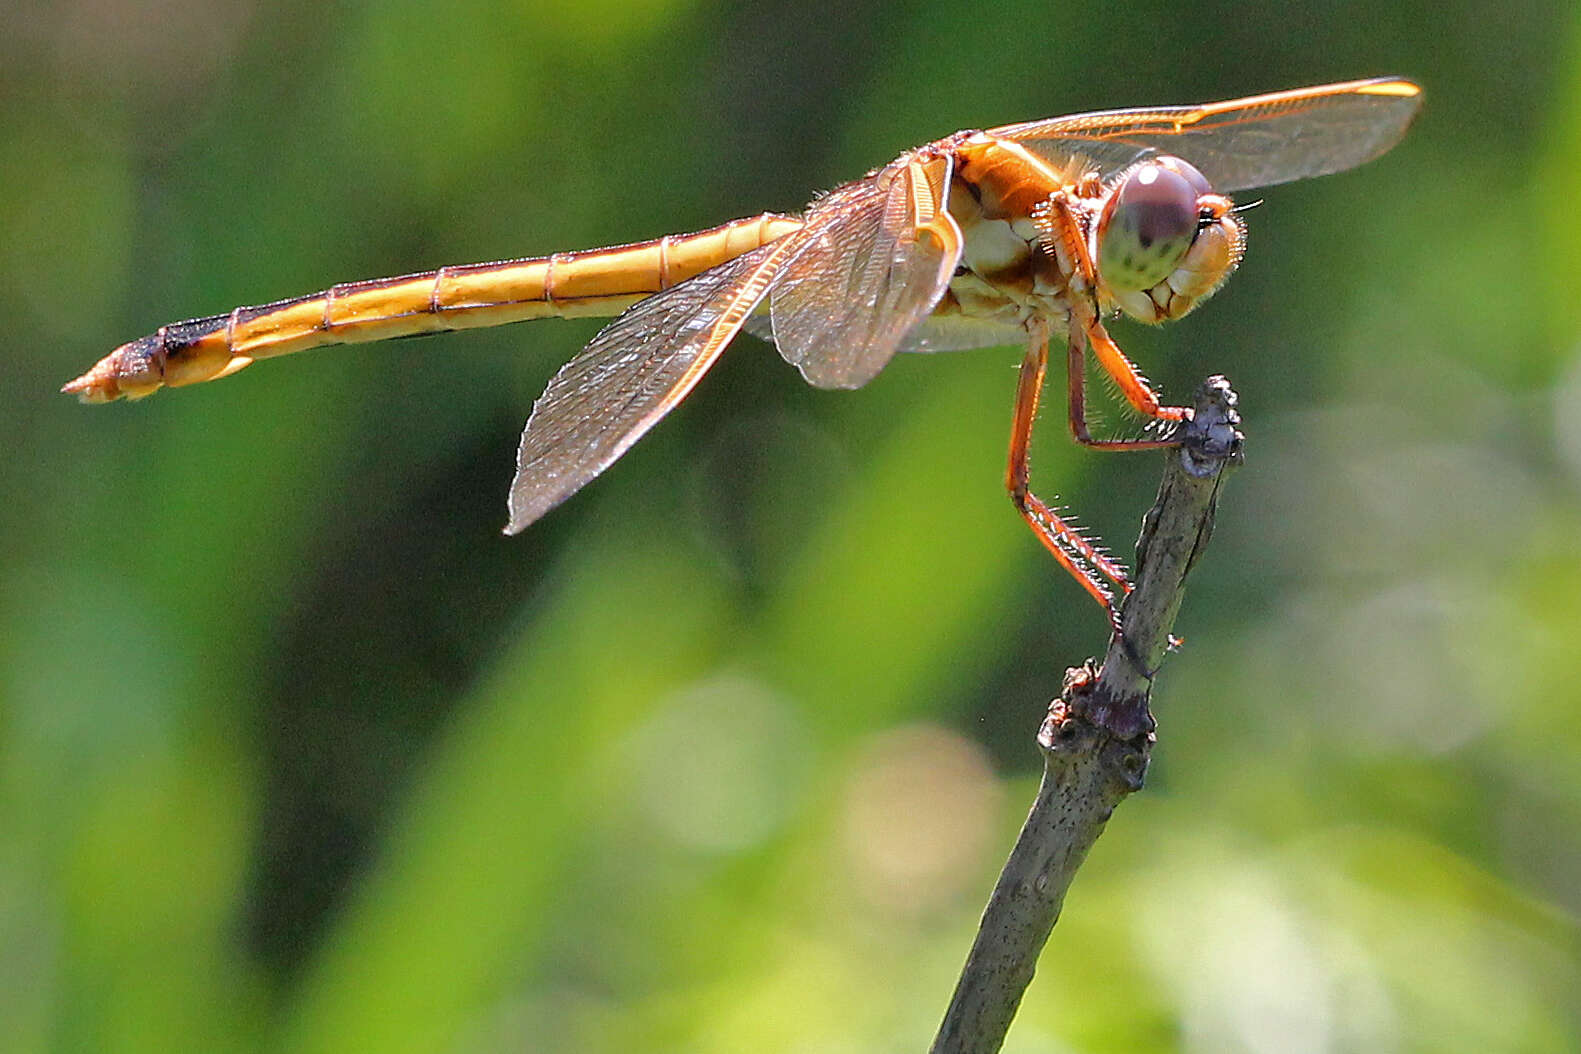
(1212, 436)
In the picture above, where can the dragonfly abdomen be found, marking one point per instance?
(592, 283)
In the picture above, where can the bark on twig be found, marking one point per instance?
(1096, 739)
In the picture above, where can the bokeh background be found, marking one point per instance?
(297, 753)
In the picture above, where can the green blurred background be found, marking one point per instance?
(298, 753)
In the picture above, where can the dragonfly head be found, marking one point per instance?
(1165, 241)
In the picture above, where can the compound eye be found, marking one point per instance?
(1152, 221)
(1198, 181)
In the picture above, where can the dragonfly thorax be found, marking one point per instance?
(1006, 274)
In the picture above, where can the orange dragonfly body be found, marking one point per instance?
(1025, 233)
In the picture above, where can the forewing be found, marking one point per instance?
(879, 255)
(633, 373)
(1252, 142)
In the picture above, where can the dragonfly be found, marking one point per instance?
(1030, 234)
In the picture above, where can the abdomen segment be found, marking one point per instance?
(596, 283)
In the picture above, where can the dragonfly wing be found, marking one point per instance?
(633, 373)
(879, 255)
(934, 333)
(760, 325)
(954, 333)
(1252, 142)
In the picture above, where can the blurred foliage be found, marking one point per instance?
(297, 753)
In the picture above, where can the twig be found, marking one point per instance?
(1096, 739)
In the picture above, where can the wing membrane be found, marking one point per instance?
(955, 333)
(880, 253)
(1252, 142)
(633, 373)
(869, 264)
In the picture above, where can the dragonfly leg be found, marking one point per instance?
(1076, 388)
(1076, 553)
(1062, 233)
(1132, 384)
